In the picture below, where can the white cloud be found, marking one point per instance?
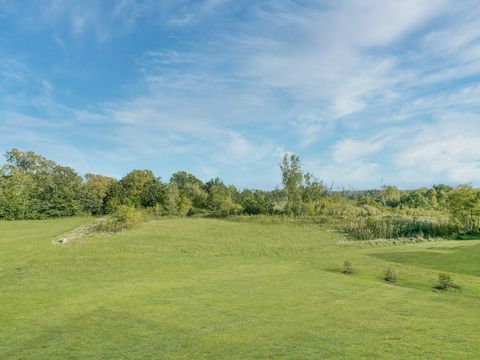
(357, 173)
(446, 149)
(331, 55)
(348, 150)
(189, 13)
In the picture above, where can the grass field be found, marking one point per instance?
(216, 289)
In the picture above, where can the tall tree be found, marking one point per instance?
(221, 200)
(464, 206)
(191, 188)
(292, 177)
(34, 187)
(94, 192)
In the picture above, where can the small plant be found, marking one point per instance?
(347, 268)
(445, 282)
(390, 276)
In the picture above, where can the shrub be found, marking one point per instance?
(390, 276)
(445, 282)
(124, 217)
(347, 268)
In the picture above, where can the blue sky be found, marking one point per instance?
(366, 92)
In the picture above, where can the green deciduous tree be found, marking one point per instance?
(139, 188)
(94, 192)
(220, 199)
(292, 177)
(33, 187)
(314, 191)
(464, 206)
(191, 188)
(390, 195)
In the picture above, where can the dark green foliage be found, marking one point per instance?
(58, 193)
(415, 199)
(32, 187)
(347, 268)
(139, 188)
(192, 197)
(254, 202)
(94, 192)
(220, 199)
(445, 282)
(390, 276)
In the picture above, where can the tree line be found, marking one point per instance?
(33, 187)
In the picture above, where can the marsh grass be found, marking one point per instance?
(390, 227)
(369, 223)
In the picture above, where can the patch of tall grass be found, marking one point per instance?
(389, 227)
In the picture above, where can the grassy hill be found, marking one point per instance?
(205, 288)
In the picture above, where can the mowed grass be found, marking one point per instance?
(215, 289)
(461, 259)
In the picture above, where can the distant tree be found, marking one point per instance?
(28, 162)
(276, 201)
(220, 199)
(176, 203)
(415, 199)
(191, 188)
(314, 192)
(33, 187)
(139, 188)
(292, 177)
(184, 179)
(94, 192)
(154, 194)
(464, 206)
(17, 196)
(442, 192)
(253, 202)
(114, 198)
(390, 196)
(59, 193)
(431, 195)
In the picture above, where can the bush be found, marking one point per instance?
(124, 217)
(390, 276)
(445, 282)
(347, 268)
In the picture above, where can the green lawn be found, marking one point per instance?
(460, 259)
(215, 289)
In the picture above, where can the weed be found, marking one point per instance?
(445, 282)
(390, 276)
(347, 268)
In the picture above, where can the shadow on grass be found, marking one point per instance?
(463, 260)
